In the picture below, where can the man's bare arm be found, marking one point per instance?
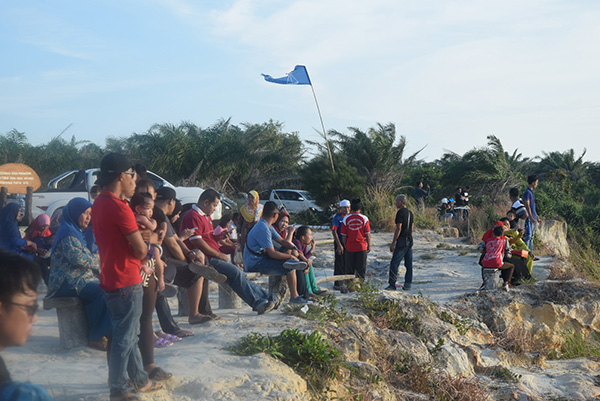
(140, 249)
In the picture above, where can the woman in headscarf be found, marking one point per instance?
(71, 270)
(10, 236)
(39, 233)
(251, 212)
(282, 226)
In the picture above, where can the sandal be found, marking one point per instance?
(154, 386)
(162, 343)
(183, 333)
(172, 338)
(159, 374)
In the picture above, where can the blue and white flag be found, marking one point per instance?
(297, 77)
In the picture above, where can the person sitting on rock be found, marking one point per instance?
(496, 248)
(261, 256)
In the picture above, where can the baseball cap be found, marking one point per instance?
(165, 193)
(345, 203)
(111, 166)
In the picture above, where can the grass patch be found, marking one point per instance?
(428, 256)
(505, 374)
(310, 355)
(462, 324)
(386, 313)
(427, 220)
(578, 345)
(326, 310)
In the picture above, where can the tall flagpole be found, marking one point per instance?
(323, 126)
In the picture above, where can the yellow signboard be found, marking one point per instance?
(16, 177)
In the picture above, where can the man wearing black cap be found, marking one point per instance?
(178, 257)
(121, 248)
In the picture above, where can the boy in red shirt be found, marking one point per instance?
(356, 232)
(496, 246)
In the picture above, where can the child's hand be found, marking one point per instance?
(147, 269)
(309, 263)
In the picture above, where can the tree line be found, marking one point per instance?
(368, 163)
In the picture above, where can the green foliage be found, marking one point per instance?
(375, 154)
(462, 324)
(329, 186)
(505, 374)
(577, 345)
(387, 313)
(378, 205)
(427, 220)
(310, 355)
(328, 309)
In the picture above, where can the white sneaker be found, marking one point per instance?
(294, 265)
(506, 287)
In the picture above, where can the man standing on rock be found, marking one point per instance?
(532, 219)
(402, 245)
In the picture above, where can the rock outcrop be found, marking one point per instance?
(553, 234)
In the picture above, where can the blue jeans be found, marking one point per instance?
(399, 254)
(529, 233)
(270, 267)
(99, 322)
(125, 308)
(251, 293)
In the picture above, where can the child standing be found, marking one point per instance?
(305, 243)
(356, 232)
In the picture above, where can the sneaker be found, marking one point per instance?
(406, 288)
(506, 287)
(321, 292)
(266, 305)
(344, 289)
(300, 301)
(391, 288)
(208, 272)
(169, 291)
(294, 265)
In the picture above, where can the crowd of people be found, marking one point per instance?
(124, 254)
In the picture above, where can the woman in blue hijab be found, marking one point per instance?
(10, 236)
(71, 270)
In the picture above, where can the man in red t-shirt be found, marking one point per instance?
(356, 232)
(121, 249)
(202, 239)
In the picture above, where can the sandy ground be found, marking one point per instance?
(203, 370)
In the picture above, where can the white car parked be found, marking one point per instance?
(294, 200)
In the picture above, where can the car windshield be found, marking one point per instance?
(306, 195)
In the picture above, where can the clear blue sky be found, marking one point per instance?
(447, 73)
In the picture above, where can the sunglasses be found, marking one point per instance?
(128, 173)
(31, 309)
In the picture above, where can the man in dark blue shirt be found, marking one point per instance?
(532, 219)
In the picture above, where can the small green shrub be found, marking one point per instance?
(428, 256)
(505, 374)
(310, 355)
(327, 310)
(577, 345)
(386, 313)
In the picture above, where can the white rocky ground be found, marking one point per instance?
(204, 371)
